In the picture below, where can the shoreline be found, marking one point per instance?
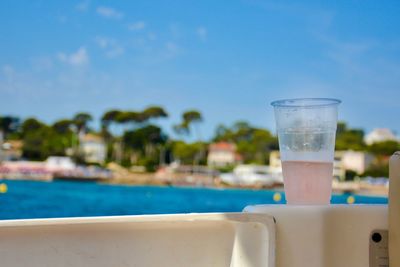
(207, 182)
(193, 186)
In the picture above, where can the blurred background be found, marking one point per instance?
(120, 107)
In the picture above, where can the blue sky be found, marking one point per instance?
(228, 59)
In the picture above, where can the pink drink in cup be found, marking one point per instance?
(306, 131)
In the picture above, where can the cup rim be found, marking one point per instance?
(305, 102)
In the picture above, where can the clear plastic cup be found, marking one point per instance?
(306, 131)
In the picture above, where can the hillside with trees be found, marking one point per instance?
(134, 138)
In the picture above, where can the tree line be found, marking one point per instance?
(134, 138)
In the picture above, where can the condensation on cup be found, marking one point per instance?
(306, 132)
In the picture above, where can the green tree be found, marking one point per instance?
(347, 138)
(189, 118)
(145, 142)
(109, 117)
(126, 118)
(154, 112)
(386, 148)
(81, 120)
(138, 138)
(181, 129)
(63, 126)
(186, 153)
(40, 143)
(8, 125)
(341, 127)
(132, 118)
(223, 133)
(254, 144)
(192, 116)
(31, 124)
(377, 170)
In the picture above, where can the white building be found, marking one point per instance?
(55, 163)
(379, 135)
(11, 150)
(356, 161)
(222, 154)
(93, 148)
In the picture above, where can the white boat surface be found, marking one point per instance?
(228, 239)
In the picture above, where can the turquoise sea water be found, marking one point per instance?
(29, 199)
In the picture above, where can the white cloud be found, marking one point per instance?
(202, 33)
(8, 71)
(62, 19)
(103, 42)
(175, 30)
(172, 49)
(83, 6)
(115, 51)
(9, 79)
(152, 36)
(78, 58)
(111, 46)
(42, 63)
(109, 13)
(137, 26)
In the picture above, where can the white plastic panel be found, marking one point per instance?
(229, 239)
(324, 236)
(394, 210)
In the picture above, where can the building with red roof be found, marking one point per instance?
(223, 154)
